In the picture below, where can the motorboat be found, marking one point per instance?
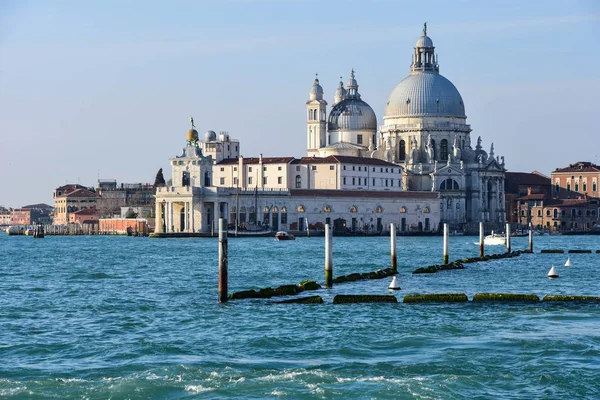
(282, 235)
(494, 240)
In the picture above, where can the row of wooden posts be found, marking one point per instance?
(223, 255)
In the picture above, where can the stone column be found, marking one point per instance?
(186, 217)
(171, 228)
(158, 216)
(191, 208)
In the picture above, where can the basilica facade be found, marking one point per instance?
(424, 131)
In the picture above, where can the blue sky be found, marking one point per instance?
(105, 89)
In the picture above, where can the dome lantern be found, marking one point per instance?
(424, 59)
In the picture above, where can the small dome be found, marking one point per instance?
(192, 135)
(424, 94)
(316, 88)
(210, 136)
(424, 41)
(352, 114)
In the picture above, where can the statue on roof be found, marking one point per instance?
(425, 29)
(192, 122)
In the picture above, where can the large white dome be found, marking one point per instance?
(424, 94)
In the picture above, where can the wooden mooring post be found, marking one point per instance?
(508, 238)
(531, 240)
(445, 243)
(393, 247)
(223, 260)
(481, 240)
(328, 258)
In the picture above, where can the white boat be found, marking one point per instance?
(282, 235)
(494, 240)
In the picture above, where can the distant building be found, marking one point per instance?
(5, 216)
(542, 212)
(577, 181)
(114, 196)
(72, 201)
(519, 184)
(86, 215)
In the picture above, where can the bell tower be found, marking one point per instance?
(316, 120)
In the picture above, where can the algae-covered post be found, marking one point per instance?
(223, 261)
(328, 258)
(508, 238)
(445, 243)
(530, 240)
(481, 240)
(393, 245)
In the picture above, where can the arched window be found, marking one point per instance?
(555, 213)
(300, 208)
(284, 215)
(252, 216)
(449, 184)
(402, 155)
(378, 209)
(573, 212)
(298, 182)
(444, 150)
(353, 209)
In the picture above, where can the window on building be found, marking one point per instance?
(539, 213)
(402, 151)
(547, 213)
(577, 187)
(278, 168)
(298, 182)
(373, 181)
(386, 183)
(444, 150)
(353, 181)
(381, 169)
(250, 169)
(585, 187)
(359, 139)
(222, 181)
(359, 168)
(331, 167)
(235, 168)
(594, 187)
(557, 188)
(284, 215)
(264, 168)
(344, 167)
(563, 213)
(222, 169)
(249, 180)
(568, 187)
(354, 168)
(313, 167)
(264, 180)
(279, 180)
(297, 168)
(235, 181)
(185, 178)
(344, 180)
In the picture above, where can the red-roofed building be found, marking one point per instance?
(519, 184)
(84, 216)
(578, 180)
(72, 201)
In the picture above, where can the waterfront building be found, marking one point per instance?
(193, 202)
(519, 184)
(113, 196)
(71, 201)
(424, 130)
(85, 216)
(5, 216)
(565, 215)
(577, 181)
(31, 214)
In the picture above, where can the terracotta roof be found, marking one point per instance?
(344, 160)
(86, 211)
(569, 202)
(80, 193)
(39, 205)
(539, 196)
(363, 194)
(70, 186)
(581, 166)
(255, 160)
